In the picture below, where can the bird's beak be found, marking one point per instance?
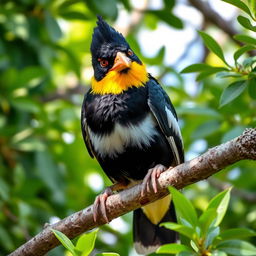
(121, 62)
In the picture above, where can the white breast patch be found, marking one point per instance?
(139, 135)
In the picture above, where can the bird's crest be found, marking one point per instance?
(104, 33)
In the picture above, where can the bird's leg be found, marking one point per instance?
(99, 205)
(151, 178)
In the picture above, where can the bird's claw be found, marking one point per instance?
(151, 179)
(99, 206)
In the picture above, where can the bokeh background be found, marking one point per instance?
(45, 68)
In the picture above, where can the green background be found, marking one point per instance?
(45, 170)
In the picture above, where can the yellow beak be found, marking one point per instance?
(121, 62)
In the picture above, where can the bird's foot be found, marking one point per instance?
(99, 205)
(151, 178)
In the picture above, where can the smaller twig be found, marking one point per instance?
(213, 17)
(65, 94)
(243, 194)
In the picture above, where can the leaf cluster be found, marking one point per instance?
(243, 73)
(203, 233)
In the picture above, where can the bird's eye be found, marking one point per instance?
(130, 52)
(103, 63)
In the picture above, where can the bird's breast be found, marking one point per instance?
(139, 135)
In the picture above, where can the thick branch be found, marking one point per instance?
(215, 159)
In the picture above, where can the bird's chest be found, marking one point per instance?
(116, 122)
(138, 135)
(104, 112)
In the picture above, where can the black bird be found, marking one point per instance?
(130, 126)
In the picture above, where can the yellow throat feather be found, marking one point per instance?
(115, 82)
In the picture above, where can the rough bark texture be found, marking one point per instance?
(199, 168)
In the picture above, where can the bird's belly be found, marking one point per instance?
(139, 135)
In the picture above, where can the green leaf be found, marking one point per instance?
(203, 68)
(253, 6)
(107, 8)
(218, 253)
(211, 235)
(169, 4)
(173, 248)
(242, 50)
(85, 243)
(194, 246)
(32, 144)
(68, 3)
(209, 72)
(232, 133)
(240, 4)
(185, 253)
(220, 204)
(246, 23)
(73, 15)
(198, 67)
(4, 190)
(228, 74)
(47, 170)
(236, 233)
(107, 254)
(27, 77)
(206, 129)
(52, 26)
(6, 239)
(126, 4)
(206, 220)
(203, 111)
(72, 59)
(25, 104)
(237, 248)
(248, 62)
(252, 88)
(245, 39)
(66, 242)
(213, 46)
(232, 92)
(184, 207)
(184, 230)
(167, 17)
(31, 77)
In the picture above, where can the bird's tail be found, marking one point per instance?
(147, 234)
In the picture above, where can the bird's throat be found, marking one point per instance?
(116, 82)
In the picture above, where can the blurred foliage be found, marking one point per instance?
(45, 171)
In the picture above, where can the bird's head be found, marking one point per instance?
(116, 66)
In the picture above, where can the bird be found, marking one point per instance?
(129, 125)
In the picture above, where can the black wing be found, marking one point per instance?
(165, 114)
(84, 128)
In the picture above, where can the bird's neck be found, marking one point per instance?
(116, 82)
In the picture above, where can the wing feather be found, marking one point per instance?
(165, 114)
(85, 131)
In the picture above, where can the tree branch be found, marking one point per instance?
(65, 94)
(213, 17)
(199, 168)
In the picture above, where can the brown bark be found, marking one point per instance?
(199, 168)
